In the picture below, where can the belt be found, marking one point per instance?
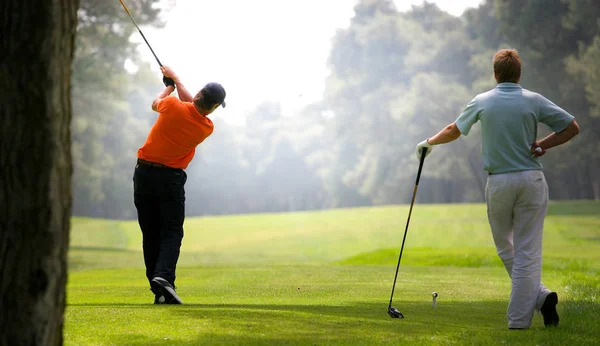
(152, 164)
(489, 173)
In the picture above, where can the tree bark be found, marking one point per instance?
(36, 45)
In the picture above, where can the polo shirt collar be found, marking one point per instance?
(507, 85)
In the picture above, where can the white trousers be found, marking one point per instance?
(516, 204)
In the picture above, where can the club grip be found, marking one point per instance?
(423, 152)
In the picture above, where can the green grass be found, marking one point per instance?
(325, 278)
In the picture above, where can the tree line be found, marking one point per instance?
(396, 78)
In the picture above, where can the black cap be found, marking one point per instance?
(216, 93)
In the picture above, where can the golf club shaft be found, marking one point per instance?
(140, 31)
(408, 221)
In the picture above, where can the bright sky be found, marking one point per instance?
(259, 50)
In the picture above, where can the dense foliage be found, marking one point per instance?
(396, 78)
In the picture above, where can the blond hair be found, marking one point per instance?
(507, 66)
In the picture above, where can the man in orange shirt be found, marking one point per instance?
(159, 177)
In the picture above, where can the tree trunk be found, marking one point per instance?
(36, 45)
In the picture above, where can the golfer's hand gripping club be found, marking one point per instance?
(424, 145)
(169, 76)
(168, 81)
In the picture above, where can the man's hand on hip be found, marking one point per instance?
(536, 150)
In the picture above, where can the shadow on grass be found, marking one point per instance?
(478, 322)
(102, 249)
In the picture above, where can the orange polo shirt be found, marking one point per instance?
(175, 134)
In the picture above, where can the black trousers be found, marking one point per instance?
(159, 198)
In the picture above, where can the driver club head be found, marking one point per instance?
(394, 313)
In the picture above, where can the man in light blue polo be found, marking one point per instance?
(516, 191)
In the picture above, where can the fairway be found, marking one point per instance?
(324, 277)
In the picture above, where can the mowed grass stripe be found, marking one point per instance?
(336, 235)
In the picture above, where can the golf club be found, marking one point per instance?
(140, 31)
(166, 80)
(393, 312)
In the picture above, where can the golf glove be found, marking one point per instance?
(422, 145)
(168, 81)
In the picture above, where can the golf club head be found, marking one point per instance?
(394, 313)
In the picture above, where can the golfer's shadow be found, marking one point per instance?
(490, 313)
(412, 311)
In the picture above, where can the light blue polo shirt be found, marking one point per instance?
(509, 115)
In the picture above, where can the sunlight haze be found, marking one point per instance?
(263, 50)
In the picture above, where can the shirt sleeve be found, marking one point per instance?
(166, 103)
(552, 115)
(468, 117)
